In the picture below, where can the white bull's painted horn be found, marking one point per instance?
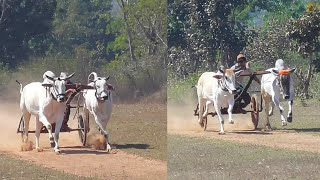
(51, 78)
(70, 76)
(106, 78)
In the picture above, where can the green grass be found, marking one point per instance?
(305, 117)
(198, 158)
(12, 168)
(140, 129)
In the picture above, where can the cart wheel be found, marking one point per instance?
(254, 111)
(21, 128)
(83, 125)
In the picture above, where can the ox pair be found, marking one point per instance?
(47, 102)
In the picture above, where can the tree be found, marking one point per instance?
(24, 28)
(83, 23)
(210, 30)
(306, 31)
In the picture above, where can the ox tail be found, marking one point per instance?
(20, 86)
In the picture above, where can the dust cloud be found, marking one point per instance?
(180, 117)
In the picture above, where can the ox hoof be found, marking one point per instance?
(284, 123)
(108, 149)
(231, 122)
(289, 119)
(201, 124)
(57, 151)
(39, 149)
(222, 133)
(268, 127)
(52, 144)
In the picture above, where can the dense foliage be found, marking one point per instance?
(204, 34)
(124, 39)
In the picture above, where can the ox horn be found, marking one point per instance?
(95, 76)
(70, 76)
(51, 78)
(106, 78)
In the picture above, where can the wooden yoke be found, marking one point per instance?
(76, 88)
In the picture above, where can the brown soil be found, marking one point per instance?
(74, 158)
(181, 121)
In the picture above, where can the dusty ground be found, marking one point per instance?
(181, 121)
(75, 159)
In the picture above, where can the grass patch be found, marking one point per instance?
(140, 129)
(178, 90)
(197, 158)
(305, 117)
(11, 168)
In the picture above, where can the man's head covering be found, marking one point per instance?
(241, 57)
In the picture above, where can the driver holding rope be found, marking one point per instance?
(242, 64)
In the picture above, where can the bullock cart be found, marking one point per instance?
(81, 114)
(255, 106)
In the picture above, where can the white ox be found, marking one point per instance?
(46, 101)
(217, 89)
(275, 87)
(98, 102)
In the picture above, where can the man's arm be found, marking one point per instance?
(255, 78)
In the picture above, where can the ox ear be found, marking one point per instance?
(217, 76)
(275, 72)
(292, 70)
(47, 85)
(238, 73)
(221, 69)
(51, 78)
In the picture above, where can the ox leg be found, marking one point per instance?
(103, 131)
(37, 134)
(277, 103)
(26, 117)
(206, 111)
(201, 105)
(271, 109)
(230, 107)
(46, 123)
(289, 117)
(106, 135)
(56, 134)
(221, 120)
(267, 106)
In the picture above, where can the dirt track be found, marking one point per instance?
(75, 159)
(180, 122)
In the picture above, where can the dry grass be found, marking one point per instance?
(139, 128)
(12, 168)
(199, 158)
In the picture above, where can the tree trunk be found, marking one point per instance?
(125, 17)
(307, 82)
